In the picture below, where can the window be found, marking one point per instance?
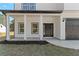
(21, 28)
(35, 28)
(28, 6)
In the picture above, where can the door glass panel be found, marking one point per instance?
(48, 30)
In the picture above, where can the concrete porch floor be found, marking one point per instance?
(72, 44)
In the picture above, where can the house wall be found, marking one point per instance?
(36, 18)
(49, 6)
(17, 20)
(71, 6)
(57, 27)
(17, 6)
(30, 19)
(71, 14)
(59, 23)
(67, 14)
(56, 21)
(52, 6)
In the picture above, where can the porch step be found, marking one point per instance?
(32, 39)
(48, 38)
(28, 39)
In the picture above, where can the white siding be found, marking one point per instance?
(17, 20)
(36, 18)
(70, 14)
(49, 6)
(71, 6)
(17, 6)
(57, 28)
(56, 21)
(31, 19)
(52, 6)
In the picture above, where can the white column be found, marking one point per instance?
(25, 36)
(41, 27)
(7, 28)
(62, 28)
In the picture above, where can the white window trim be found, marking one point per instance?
(35, 28)
(20, 28)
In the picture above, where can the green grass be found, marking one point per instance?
(1, 19)
(36, 50)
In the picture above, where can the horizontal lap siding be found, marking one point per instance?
(17, 20)
(31, 19)
(36, 18)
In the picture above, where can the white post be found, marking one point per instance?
(25, 36)
(62, 28)
(41, 27)
(7, 29)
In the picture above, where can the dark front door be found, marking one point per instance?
(48, 29)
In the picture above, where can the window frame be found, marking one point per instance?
(28, 6)
(32, 28)
(19, 29)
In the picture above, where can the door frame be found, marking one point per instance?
(52, 30)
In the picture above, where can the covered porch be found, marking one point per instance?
(26, 20)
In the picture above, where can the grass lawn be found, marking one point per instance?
(35, 50)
